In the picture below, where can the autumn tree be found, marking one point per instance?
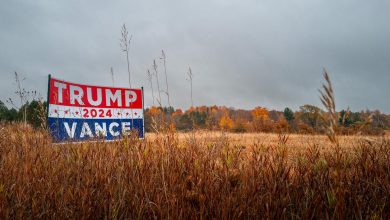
(260, 113)
(156, 118)
(226, 123)
(379, 120)
(261, 120)
(214, 114)
(241, 120)
(311, 115)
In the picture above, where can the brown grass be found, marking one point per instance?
(193, 175)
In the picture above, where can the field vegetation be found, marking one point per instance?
(194, 175)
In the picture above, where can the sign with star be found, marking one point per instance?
(79, 112)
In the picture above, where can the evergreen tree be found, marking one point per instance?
(7, 114)
(288, 114)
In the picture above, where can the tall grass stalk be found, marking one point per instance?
(24, 96)
(190, 75)
(150, 79)
(155, 68)
(164, 58)
(125, 43)
(112, 76)
(328, 100)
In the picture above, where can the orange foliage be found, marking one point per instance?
(214, 109)
(178, 112)
(172, 127)
(260, 113)
(154, 111)
(191, 109)
(226, 122)
(282, 125)
(202, 108)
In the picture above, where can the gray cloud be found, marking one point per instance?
(243, 53)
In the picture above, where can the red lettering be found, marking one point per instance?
(93, 96)
(93, 113)
(85, 115)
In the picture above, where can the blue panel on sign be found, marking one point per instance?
(71, 129)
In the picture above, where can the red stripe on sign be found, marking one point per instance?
(72, 94)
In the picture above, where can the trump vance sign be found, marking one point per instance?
(82, 112)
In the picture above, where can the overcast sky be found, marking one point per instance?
(242, 53)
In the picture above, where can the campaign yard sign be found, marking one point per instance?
(79, 112)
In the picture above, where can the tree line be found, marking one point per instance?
(33, 112)
(308, 119)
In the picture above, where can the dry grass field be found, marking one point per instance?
(296, 143)
(212, 175)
